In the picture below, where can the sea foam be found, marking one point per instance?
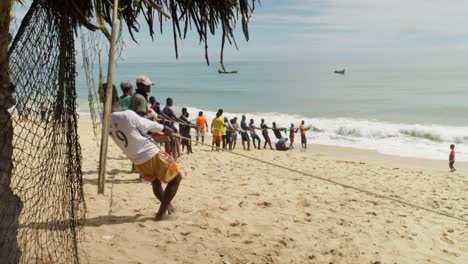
(406, 140)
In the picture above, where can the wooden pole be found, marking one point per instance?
(108, 102)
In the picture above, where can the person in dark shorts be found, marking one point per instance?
(265, 135)
(184, 130)
(277, 131)
(303, 130)
(254, 134)
(244, 133)
(229, 131)
(452, 158)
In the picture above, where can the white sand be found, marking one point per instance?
(234, 210)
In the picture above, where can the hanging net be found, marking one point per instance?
(46, 176)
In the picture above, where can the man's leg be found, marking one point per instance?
(159, 193)
(169, 193)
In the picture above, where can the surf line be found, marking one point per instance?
(346, 186)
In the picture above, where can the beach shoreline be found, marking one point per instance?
(352, 153)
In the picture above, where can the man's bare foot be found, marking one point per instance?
(171, 209)
(164, 217)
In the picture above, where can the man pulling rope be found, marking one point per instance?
(129, 133)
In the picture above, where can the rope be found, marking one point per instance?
(346, 186)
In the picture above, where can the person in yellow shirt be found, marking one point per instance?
(216, 128)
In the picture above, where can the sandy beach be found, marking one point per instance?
(231, 209)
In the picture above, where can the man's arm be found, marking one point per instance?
(175, 119)
(145, 125)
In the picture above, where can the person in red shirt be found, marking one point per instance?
(452, 158)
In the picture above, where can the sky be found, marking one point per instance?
(338, 32)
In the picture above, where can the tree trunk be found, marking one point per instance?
(10, 204)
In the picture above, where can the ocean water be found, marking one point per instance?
(404, 110)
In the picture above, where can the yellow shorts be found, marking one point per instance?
(161, 167)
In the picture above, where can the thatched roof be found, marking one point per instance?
(204, 16)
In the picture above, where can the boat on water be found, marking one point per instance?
(340, 72)
(227, 72)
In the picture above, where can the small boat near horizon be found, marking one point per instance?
(340, 72)
(227, 72)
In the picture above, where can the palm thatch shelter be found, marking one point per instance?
(41, 196)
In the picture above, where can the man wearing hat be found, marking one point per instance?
(124, 100)
(139, 101)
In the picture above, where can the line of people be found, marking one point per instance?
(224, 131)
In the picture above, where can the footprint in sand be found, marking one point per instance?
(264, 204)
(451, 253)
(446, 239)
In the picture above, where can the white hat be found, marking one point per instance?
(144, 80)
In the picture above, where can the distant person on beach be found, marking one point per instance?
(277, 131)
(216, 126)
(26, 112)
(229, 130)
(20, 109)
(244, 133)
(281, 144)
(292, 136)
(184, 130)
(169, 114)
(129, 132)
(236, 129)
(170, 117)
(155, 105)
(254, 134)
(224, 132)
(303, 130)
(127, 89)
(139, 100)
(43, 111)
(202, 126)
(265, 135)
(452, 158)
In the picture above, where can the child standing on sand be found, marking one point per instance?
(452, 158)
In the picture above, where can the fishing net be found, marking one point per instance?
(46, 174)
(90, 41)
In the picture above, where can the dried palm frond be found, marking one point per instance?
(206, 16)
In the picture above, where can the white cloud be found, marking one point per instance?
(367, 26)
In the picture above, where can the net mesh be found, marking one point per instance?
(46, 176)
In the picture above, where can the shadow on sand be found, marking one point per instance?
(91, 222)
